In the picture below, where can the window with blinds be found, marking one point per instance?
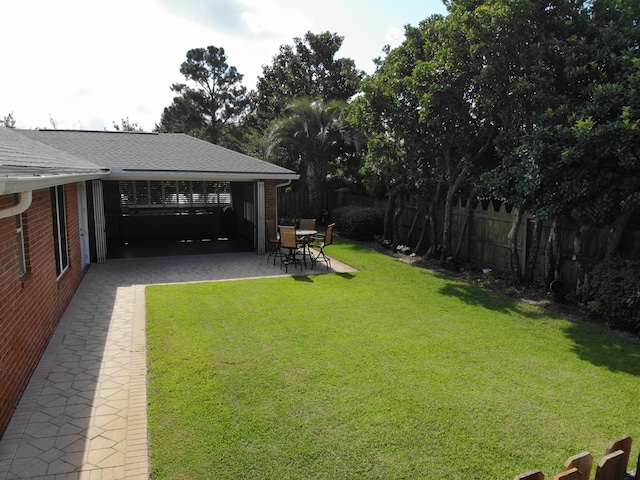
(174, 194)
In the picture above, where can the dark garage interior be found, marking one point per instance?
(177, 217)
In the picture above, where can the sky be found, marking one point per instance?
(85, 64)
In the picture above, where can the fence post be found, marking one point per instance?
(583, 462)
(622, 443)
(530, 475)
(611, 467)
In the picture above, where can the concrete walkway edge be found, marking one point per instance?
(83, 415)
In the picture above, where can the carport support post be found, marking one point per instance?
(260, 228)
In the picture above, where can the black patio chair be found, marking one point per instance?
(274, 239)
(289, 243)
(322, 244)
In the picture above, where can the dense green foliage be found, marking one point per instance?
(389, 372)
(212, 108)
(312, 131)
(309, 68)
(615, 293)
(531, 102)
(359, 223)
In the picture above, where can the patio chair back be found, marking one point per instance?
(328, 238)
(307, 224)
(272, 232)
(289, 242)
(288, 237)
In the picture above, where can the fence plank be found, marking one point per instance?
(611, 467)
(622, 443)
(583, 462)
(636, 472)
(530, 475)
(571, 474)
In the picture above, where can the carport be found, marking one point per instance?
(169, 217)
(170, 193)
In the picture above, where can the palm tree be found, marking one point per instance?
(312, 132)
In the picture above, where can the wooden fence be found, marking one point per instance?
(484, 241)
(612, 466)
(296, 204)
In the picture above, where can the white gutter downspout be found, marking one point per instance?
(20, 207)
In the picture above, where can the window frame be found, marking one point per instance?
(22, 251)
(60, 234)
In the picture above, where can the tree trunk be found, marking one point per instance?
(388, 218)
(553, 254)
(433, 222)
(445, 256)
(467, 221)
(397, 215)
(512, 239)
(421, 245)
(615, 234)
(532, 258)
(414, 223)
(420, 219)
(314, 191)
(582, 284)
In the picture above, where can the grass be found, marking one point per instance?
(391, 372)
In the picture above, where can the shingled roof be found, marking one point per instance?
(26, 164)
(158, 155)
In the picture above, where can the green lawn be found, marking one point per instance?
(388, 373)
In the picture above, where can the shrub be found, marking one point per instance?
(359, 223)
(615, 289)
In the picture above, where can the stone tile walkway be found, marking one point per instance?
(84, 412)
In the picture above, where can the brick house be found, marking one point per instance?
(69, 198)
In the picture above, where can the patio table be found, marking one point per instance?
(305, 237)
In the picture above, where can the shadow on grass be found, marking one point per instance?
(473, 295)
(302, 278)
(346, 275)
(309, 278)
(604, 348)
(592, 343)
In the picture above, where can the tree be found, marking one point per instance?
(312, 129)
(127, 126)
(397, 162)
(519, 46)
(8, 121)
(212, 108)
(460, 125)
(308, 68)
(576, 156)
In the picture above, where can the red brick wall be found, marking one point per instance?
(31, 306)
(270, 199)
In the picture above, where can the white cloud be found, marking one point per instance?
(394, 36)
(89, 63)
(268, 17)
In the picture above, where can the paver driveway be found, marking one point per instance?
(83, 414)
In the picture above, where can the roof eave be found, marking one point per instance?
(211, 176)
(16, 183)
